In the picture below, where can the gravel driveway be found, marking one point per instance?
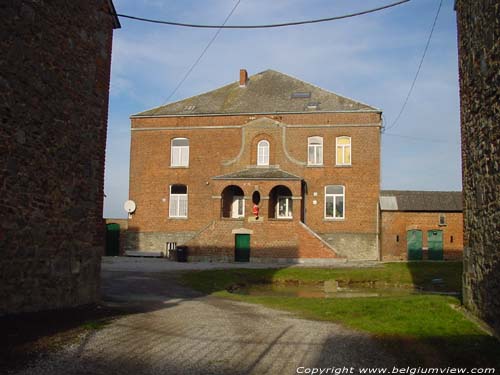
(174, 330)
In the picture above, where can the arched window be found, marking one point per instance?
(343, 150)
(233, 202)
(179, 152)
(315, 151)
(280, 203)
(263, 153)
(334, 202)
(178, 206)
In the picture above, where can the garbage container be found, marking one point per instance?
(182, 253)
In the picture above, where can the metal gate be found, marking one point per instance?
(414, 244)
(435, 243)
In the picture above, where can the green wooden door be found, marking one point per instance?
(242, 248)
(435, 243)
(414, 244)
(112, 239)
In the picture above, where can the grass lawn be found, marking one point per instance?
(415, 327)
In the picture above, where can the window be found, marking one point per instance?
(284, 207)
(442, 219)
(180, 152)
(334, 202)
(343, 150)
(263, 153)
(238, 207)
(315, 151)
(178, 201)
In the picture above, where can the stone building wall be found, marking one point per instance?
(479, 68)
(54, 84)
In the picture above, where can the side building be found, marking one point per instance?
(54, 90)
(306, 159)
(421, 225)
(479, 69)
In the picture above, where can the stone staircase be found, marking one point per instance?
(270, 240)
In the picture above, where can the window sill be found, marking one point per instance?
(331, 219)
(315, 166)
(281, 219)
(177, 218)
(442, 225)
(179, 166)
(343, 166)
(233, 218)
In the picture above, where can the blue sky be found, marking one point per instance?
(371, 58)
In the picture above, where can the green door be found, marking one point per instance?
(112, 239)
(435, 243)
(242, 248)
(414, 244)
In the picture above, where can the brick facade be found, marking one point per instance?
(223, 144)
(479, 69)
(54, 84)
(395, 224)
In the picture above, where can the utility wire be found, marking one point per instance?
(422, 139)
(418, 70)
(224, 26)
(203, 52)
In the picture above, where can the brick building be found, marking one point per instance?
(308, 159)
(54, 87)
(416, 225)
(479, 68)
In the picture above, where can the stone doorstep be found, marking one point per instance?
(147, 254)
(307, 261)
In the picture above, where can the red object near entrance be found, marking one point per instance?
(255, 210)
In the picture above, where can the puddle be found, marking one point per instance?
(329, 290)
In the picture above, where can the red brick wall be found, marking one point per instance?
(219, 151)
(398, 223)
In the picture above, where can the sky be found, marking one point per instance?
(371, 58)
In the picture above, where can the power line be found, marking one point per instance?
(203, 52)
(418, 70)
(223, 26)
(422, 139)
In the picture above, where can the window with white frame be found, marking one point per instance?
(284, 207)
(334, 202)
(179, 152)
(178, 201)
(263, 153)
(315, 151)
(343, 150)
(238, 207)
(442, 219)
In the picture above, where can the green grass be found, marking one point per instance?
(415, 327)
(402, 274)
(95, 324)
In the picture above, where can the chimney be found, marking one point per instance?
(243, 77)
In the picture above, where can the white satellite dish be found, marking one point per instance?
(129, 206)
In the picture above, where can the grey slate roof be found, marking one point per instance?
(266, 92)
(258, 174)
(426, 201)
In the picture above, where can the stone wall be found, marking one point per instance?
(479, 68)
(54, 84)
(354, 246)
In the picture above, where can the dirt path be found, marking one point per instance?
(174, 330)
